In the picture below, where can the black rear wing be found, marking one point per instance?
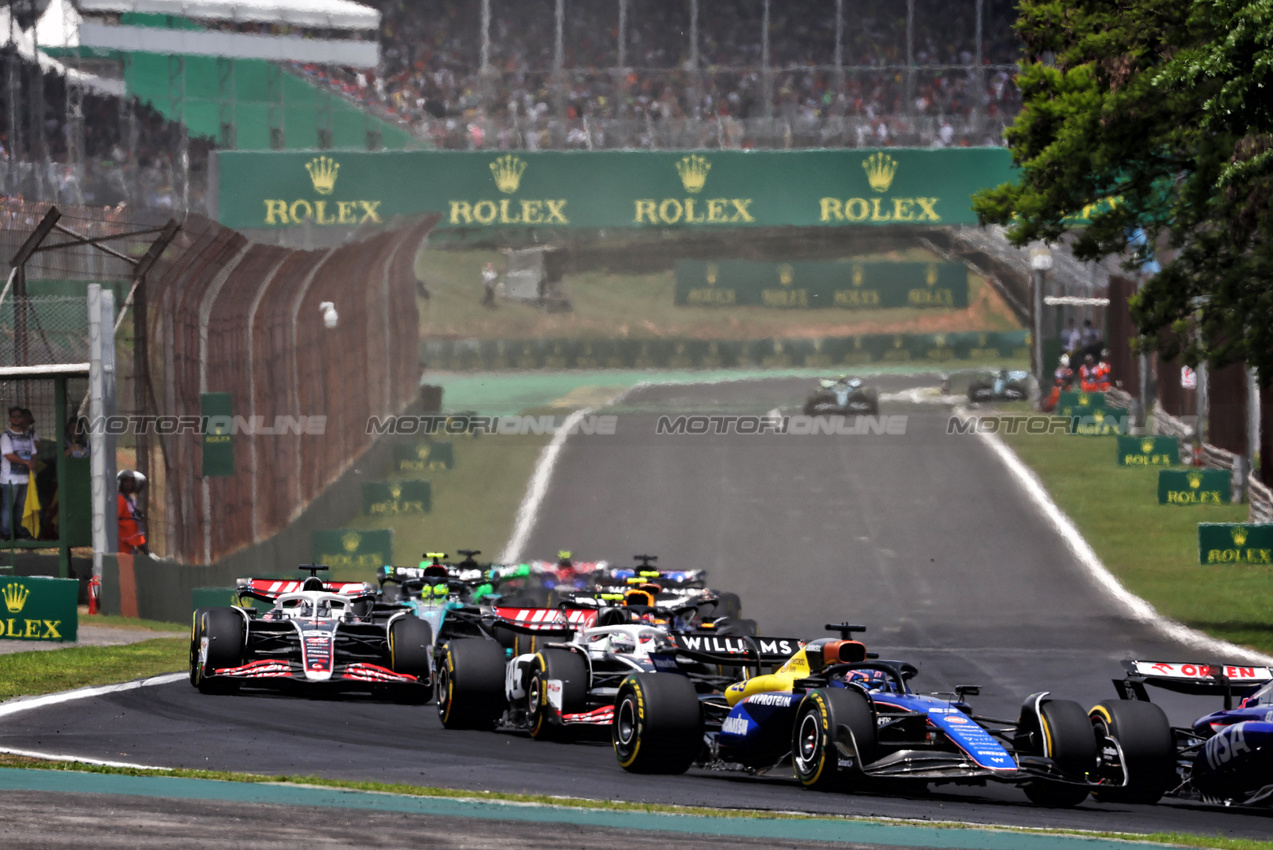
(736, 649)
(1189, 678)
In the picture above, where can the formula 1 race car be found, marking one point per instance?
(563, 673)
(316, 634)
(844, 397)
(1225, 757)
(672, 587)
(837, 715)
(1003, 385)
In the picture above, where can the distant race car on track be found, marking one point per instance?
(834, 714)
(1003, 385)
(844, 396)
(315, 635)
(1225, 757)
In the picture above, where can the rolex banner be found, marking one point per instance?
(822, 353)
(1148, 451)
(346, 547)
(39, 608)
(1235, 543)
(848, 285)
(391, 498)
(423, 457)
(1193, 487)
(611, 189)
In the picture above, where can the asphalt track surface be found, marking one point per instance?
(924, 537)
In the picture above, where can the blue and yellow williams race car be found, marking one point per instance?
(1224, 757)
(837, 716)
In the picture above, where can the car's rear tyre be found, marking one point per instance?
(820, 404)
(1065, 735)
(410, 649)
(1148, 750)
(872, 398)
(470, 690)
(571, 670)
(819, 719)
(222, 628)
(978, 391)
(658, 725)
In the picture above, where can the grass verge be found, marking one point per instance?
(1151, 548)
(1176, 839)
(34, 673)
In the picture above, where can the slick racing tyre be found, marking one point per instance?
(1145, 747)
(470, 690)
(872, 400)
(658, 726)
(977, 391)
(551, 665)
(822, 716)
(1064, 734)
(410, 648)
(222, 630)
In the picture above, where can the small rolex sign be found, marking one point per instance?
(1235, 543)
(39, 608)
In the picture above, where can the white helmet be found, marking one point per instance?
(1065, 360)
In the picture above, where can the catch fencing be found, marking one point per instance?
(230, 316)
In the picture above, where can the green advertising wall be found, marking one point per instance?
(846, 284)
(465, 355)
(1194, 487)
(1148, 451)
(1235, 543)
(39, 608)
(611, 189)
(345, 547)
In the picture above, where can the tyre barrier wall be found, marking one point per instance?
(849, 351)
(228, 315)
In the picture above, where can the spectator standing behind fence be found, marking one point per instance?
(1071, 337)
(489, 276)
(77, 438)
(132, 535)
(18, 447)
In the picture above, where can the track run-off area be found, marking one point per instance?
(928, 538)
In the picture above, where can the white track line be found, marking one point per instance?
(528, 511)
(26, 704)
(1087, 558)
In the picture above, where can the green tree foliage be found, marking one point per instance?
(1164, 109)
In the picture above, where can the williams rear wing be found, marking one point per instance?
(736, 649)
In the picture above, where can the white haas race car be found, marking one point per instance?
(562, 676)
(318, 635)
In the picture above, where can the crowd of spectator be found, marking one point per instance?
(129, 149)
(881, 91)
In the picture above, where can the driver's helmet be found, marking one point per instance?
(565, 566)
(620, 642)
(324, 608)
(872, 680)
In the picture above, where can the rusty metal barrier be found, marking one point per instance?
(227, 315)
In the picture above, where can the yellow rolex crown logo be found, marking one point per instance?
(15, 597)
(1084, 401)
(322, 173)
(858, 275)
(1147, 446)
(693, 170)
(350, 541)
(395, 490)
(1099, 416)
(897, 342)
(981, 340)
(1239, 537)
(940, 339)
(713, 271)
(880, 168)
(930, 275)
(786, 274)
(508, 171)
(1195, 479)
